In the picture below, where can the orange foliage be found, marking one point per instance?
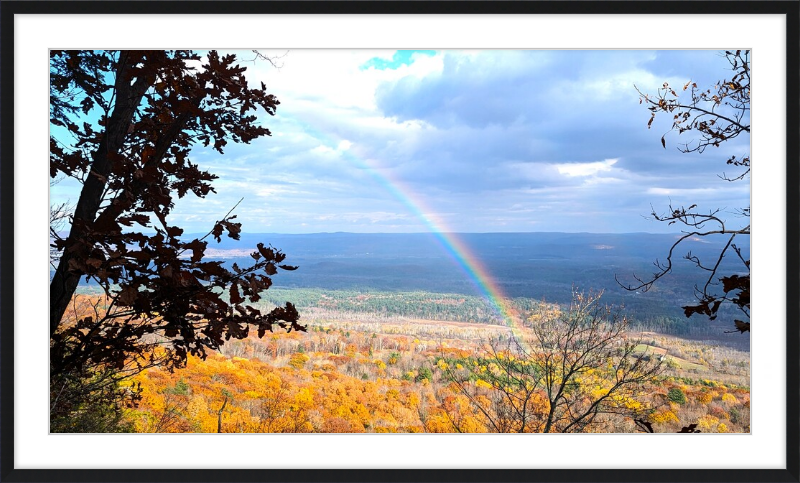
(286, 391)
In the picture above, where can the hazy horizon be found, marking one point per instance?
(246, 232)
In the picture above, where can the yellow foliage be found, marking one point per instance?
(664, 417)
(626, 402)
(705, 423)
(439, 423)
(322, 392)
(471, 425)
(704, 397)
(304, 398)
(482, 383)
(196, 407)
(298, 360)
(454, 387)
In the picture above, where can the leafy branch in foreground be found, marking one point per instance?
(123, 124)
(717, 114)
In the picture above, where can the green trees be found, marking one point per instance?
(715, 115)
(424, 374)
(89, 402)
(123, 124)
(676, 395)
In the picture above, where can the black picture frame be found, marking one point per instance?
(8, 471)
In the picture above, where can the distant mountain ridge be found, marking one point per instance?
(484, 245)
(533, 265)
(542, 265)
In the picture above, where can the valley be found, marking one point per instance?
(398, 336)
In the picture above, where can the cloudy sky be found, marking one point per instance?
(466, 141)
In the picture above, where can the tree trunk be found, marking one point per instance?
(128, 98)
(549, 422)
(219, 415)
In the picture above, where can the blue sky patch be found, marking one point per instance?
(401, 57)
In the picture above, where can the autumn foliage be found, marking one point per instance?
(336, 378)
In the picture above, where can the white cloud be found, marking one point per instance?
(727, 190)
(367, 216)
(333, 76)
(322, 149)
(490, 140)
(586, 169)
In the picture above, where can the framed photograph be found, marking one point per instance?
(387, 241)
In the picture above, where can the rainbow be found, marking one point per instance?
(450, 242)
